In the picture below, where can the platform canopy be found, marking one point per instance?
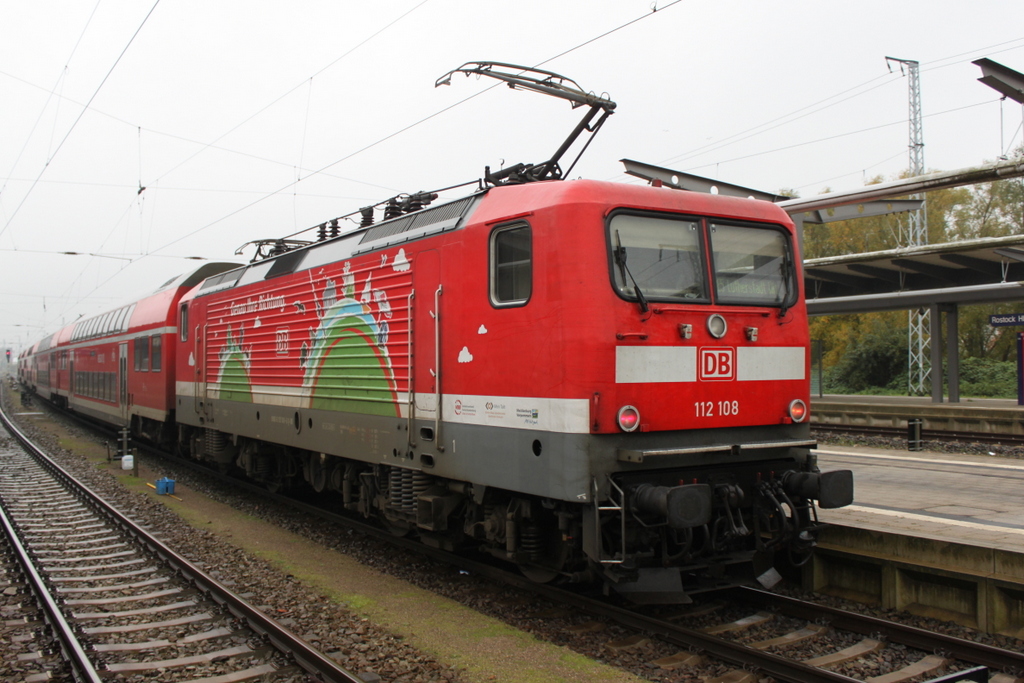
(986, 270)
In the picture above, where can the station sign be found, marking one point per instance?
(1006, 319)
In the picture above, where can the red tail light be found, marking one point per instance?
(629, 418)
(797, 410)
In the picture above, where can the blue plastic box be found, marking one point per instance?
(165, 486)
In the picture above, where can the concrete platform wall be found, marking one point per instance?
(981, 588)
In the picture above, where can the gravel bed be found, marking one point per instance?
(357, 645)
(368, 648)
(16, 639)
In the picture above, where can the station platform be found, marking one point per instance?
(972, 500)
(938, 535)
(983, 415)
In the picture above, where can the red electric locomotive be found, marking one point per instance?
(582, 377)
(591, 380)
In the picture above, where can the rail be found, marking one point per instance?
(71, 648)
(307, 657)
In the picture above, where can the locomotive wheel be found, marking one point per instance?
(317, 474)
(539, 574)
(546, 571)
(549, 551)
(398, 528)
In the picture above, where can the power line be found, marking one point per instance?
(80, 115)
(404, 129)
(293, 89)
(174, 136)
(789, 117)
(366, 147)
(838, 135)
(52, 92)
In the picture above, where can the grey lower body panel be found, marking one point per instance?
(547, 464)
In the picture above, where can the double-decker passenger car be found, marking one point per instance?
(113, 367)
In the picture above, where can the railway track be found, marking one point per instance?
(755, 633)
(117, 601)
(750, 630)
(941, 435)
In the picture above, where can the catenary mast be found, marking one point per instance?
(918, 341)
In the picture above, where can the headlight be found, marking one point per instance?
(717, 326)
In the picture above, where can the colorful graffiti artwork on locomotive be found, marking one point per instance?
(347, 364)
(343, 360)
(235, 363)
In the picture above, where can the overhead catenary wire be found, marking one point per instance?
(365, 147)
(831, 101)
(78, 118)
(410, 127)
(296, 87)
(840, 135)
(86, 107)
(182, 138)
(52, 92)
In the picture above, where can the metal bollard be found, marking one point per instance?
(914, 434)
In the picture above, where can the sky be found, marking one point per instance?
(145, 133)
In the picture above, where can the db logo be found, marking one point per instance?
(717, 363)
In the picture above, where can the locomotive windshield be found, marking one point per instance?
(753, 266)
(663, 259)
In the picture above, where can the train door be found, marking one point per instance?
(199, 397)
(426, 361)
(122, 380)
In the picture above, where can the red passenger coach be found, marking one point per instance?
(118, 367)
(585, 378)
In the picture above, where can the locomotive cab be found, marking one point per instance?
(711, 391)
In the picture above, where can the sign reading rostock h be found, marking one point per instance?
(1006, 319)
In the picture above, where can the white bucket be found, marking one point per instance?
(127, 462)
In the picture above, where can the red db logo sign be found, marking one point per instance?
(717, 363)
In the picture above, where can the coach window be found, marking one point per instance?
(119, 320)
(154, 353)
(142, 354)
(511, 265)
(183, 323)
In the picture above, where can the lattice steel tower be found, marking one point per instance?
(918, 335)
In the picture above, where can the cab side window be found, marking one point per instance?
(511, 265)
(183, 323)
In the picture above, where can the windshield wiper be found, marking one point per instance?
(620, 259)
(787, 272)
